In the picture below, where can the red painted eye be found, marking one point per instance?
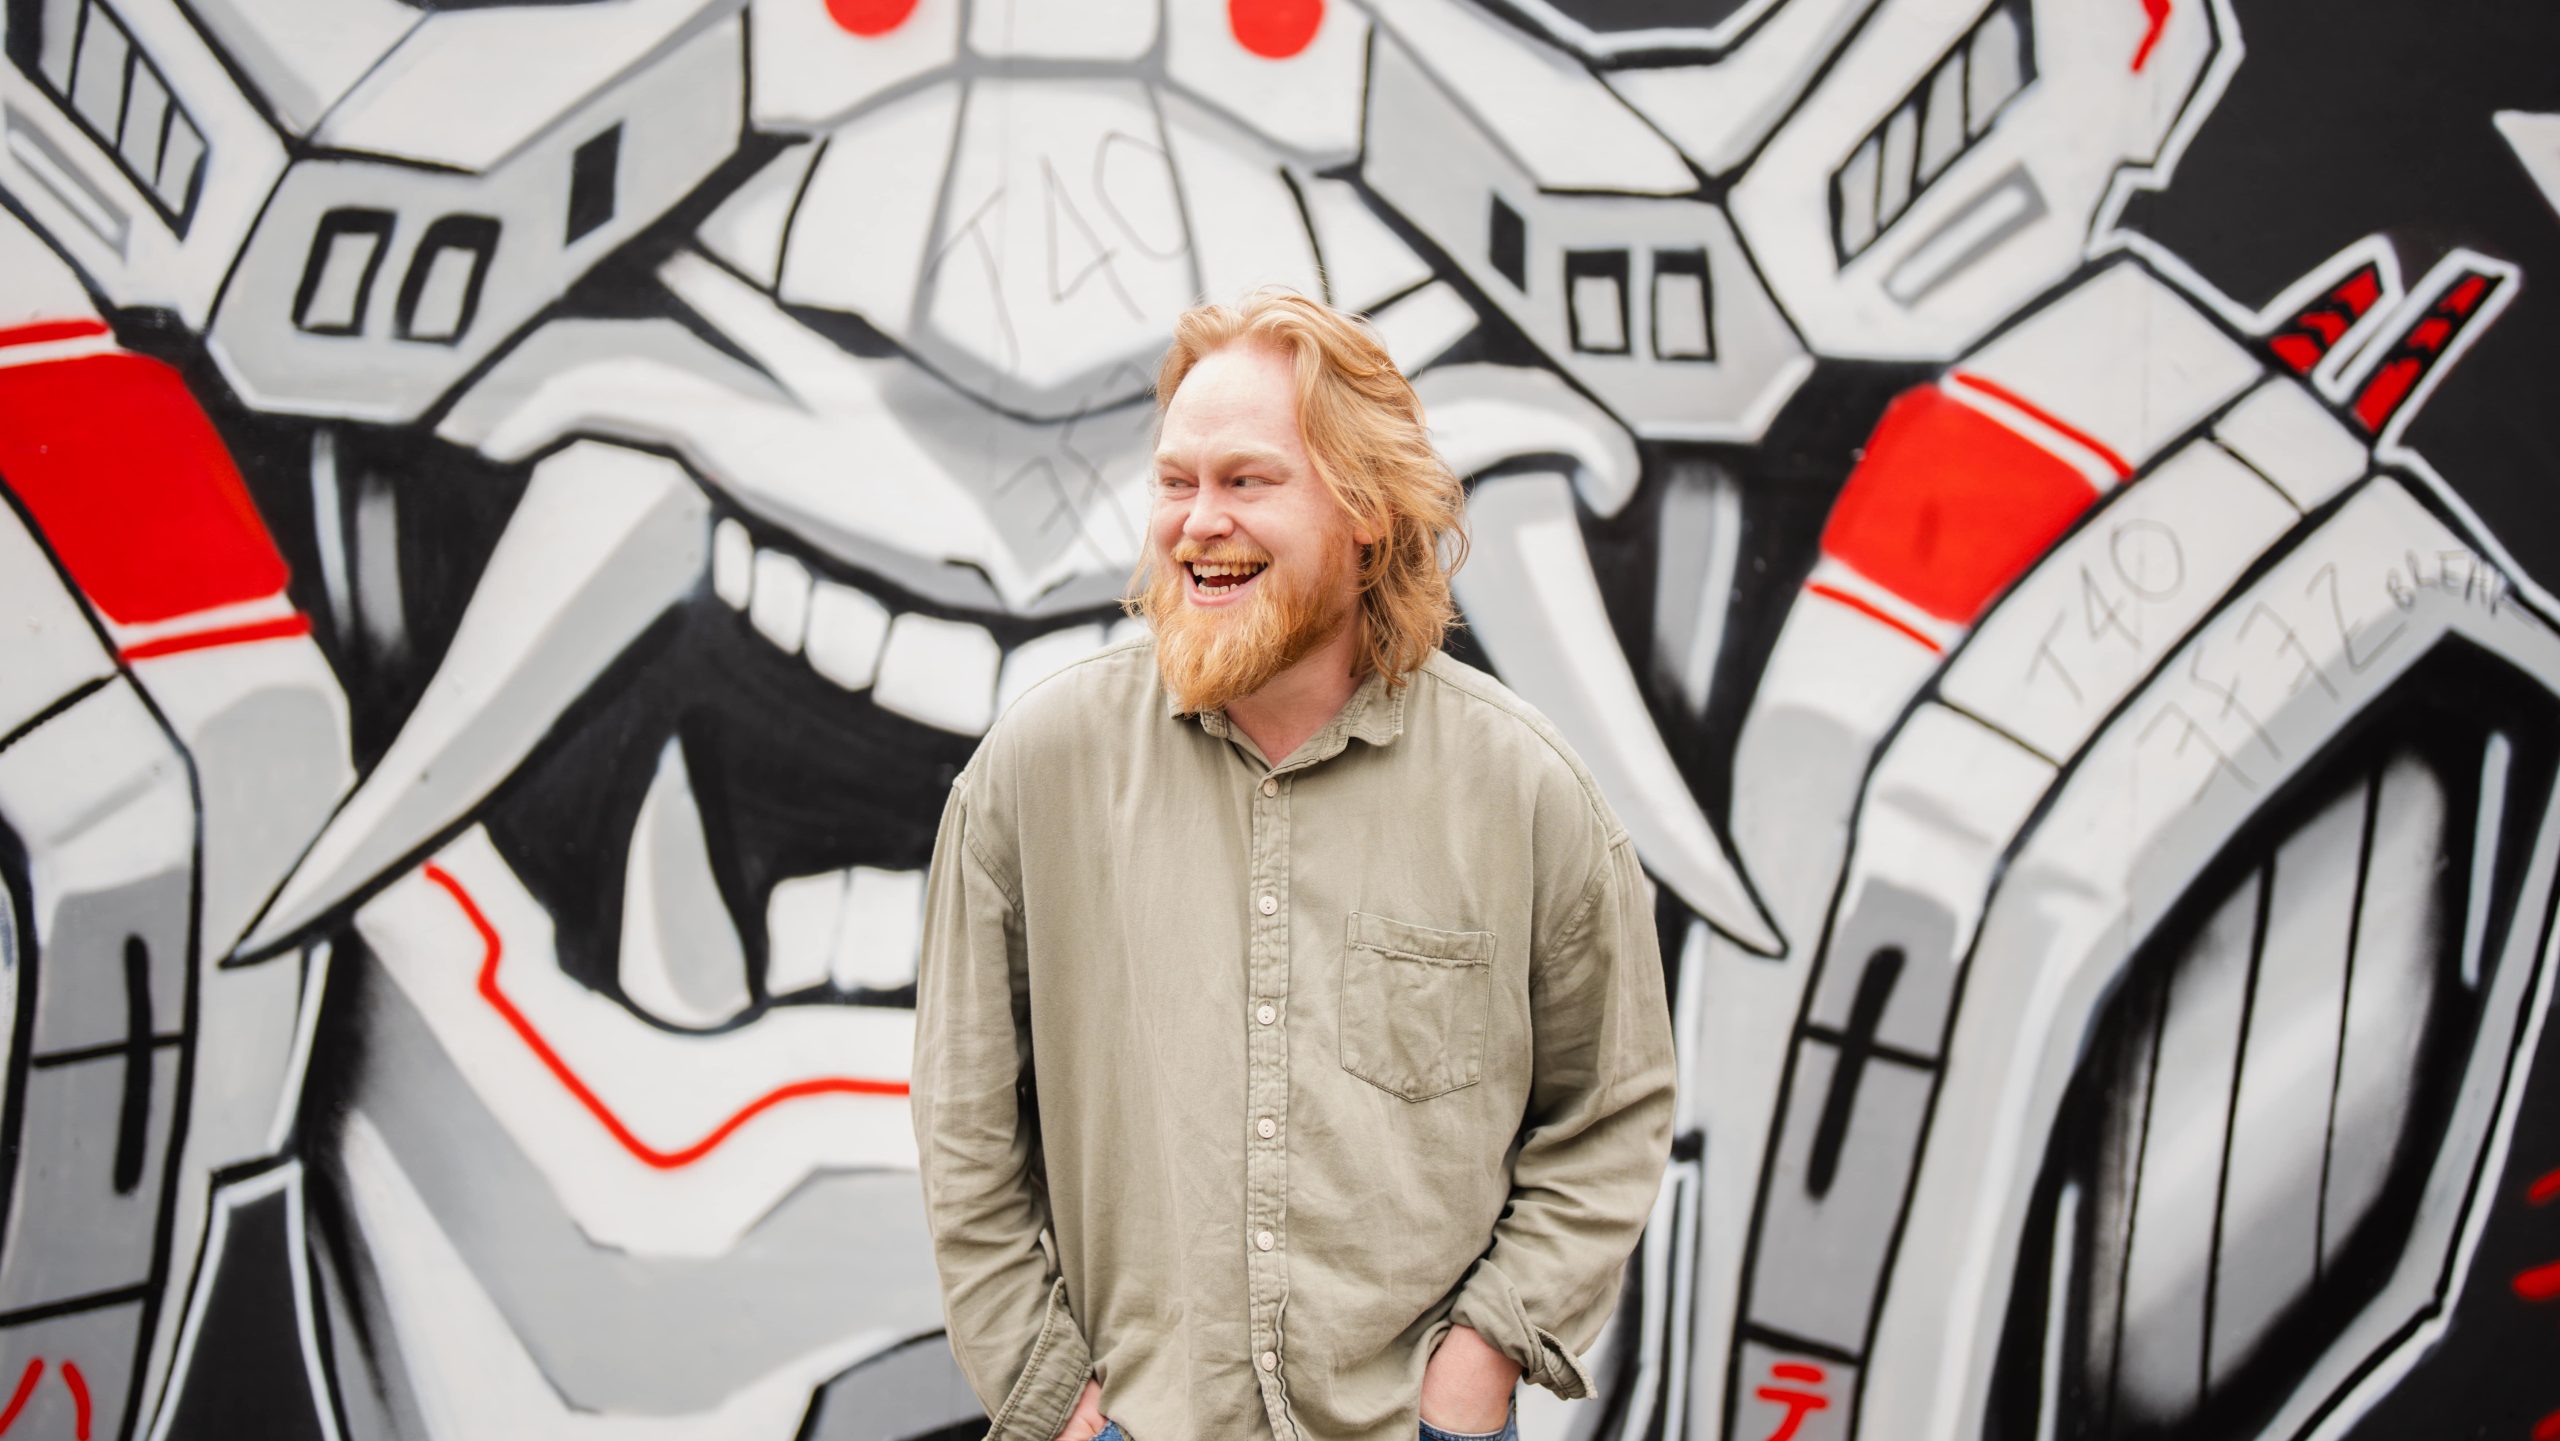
(1275, 29)
(870, 17)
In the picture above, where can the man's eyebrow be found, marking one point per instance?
(1250, 457)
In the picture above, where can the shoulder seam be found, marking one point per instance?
(1541, 727)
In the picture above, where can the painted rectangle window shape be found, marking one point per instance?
(591, 183)
(84, 57)
(1595, 284)
(1941, 117)
(337, 281)
(1683, 314)
(441, 292)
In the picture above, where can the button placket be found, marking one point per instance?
(1267, 1088)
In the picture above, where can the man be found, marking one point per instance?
(1291, 1055)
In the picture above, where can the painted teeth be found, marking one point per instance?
(950, 674)
(856, 929)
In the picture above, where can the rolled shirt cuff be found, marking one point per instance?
(1489, 1305)
(1044, 1396)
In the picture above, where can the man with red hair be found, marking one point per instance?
(1265, 1082)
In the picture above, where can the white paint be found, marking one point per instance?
(940, 672)
(602, 542)
(881, 931)
(733, 561)
(800, 931)
(847, 628)
(671, 1090)
(1537, 607)
(2286, 435)
(779, 606)
(472, 1378)
(873, 185)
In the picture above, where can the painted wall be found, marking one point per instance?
(2036, 513)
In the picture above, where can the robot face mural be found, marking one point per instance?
(518, 512)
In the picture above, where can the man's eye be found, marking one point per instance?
(1172, 482)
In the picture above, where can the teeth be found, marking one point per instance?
(858, 929)
(733, 559)
(881, 927)
(946, 673)
(846, 630)
(800, 931)
(1041, 657)
(940, 672)
(1225, 569)
(780, 609)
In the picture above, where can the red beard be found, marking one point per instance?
(1210, 657)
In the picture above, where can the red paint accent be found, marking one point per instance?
(870, 18)
(2325, 325)
(2048, 419)
(2544, 1190)
(18, 1398)
(1949, 505)
(1275, 29)
(1797, 1371)
(2431, 334)
(2360, 290)
(2297, 351)
(1873, 611)
(44, 330)
(2467, 294)
(2539, 1284)
(132, 487)
(79, 1385)
(2382, 394)
(576, 1086)
(2157, 12)
(1799, 1404)
(284, 625)
(2548, 1428)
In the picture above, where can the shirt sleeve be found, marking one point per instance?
(1596, 1137)
(977, 1146)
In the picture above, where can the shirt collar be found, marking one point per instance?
(1375, 713)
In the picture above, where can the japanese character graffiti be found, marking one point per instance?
(517, 512)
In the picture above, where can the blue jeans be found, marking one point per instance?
(1510, 1432)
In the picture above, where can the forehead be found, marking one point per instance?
(1237, 397)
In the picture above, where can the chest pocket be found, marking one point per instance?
(1415, 1003)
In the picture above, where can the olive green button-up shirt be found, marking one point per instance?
(1238, 1084)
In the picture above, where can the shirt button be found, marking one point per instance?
(1264, 1240)
(1270, 787)
(1268, 1360)
(1269, 904)
(1266, 1128)
(1266, 1013)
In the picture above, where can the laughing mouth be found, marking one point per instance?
(1225, 577)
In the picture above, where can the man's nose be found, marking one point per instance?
(1209, 517)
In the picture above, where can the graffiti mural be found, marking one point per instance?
(2034, 512)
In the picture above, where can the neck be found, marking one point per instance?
(1296, 703)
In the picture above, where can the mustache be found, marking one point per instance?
(1193, 553)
